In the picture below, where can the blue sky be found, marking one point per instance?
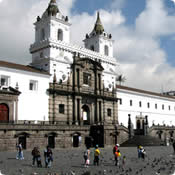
(143, 31)
(131, 10)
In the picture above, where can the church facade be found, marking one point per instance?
(68, 96)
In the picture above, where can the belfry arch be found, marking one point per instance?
(86, 114)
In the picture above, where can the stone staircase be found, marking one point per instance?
(142, 140)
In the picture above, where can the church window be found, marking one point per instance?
(86, 79)
(130, 102)
(92, 48)
(155, 106)
(33, 85)
(109, 111)
(148, 105)
(162, 107)
(61, 108)
(42, 34)
(140, 104)
(5, 80)
(60, 35)
(106, 50)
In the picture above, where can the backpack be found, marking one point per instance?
(97, 152)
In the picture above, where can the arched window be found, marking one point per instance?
(60, 35)
(42, 34)
(92, 48)
(106, 50)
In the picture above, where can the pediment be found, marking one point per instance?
(90, 64)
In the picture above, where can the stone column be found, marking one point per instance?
(16, 111)
(69, 117)
(92, 114)
(75, 109)
(114, 112)
(97, 111)
(102, 113)
(81, 116)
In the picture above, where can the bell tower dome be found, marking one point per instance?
(98, 40)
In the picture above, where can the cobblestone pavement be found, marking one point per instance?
(159, 160)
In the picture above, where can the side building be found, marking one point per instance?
(147, 109)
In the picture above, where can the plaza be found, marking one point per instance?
(159, 160)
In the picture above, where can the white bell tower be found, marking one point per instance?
(51, 29)
(98, 40)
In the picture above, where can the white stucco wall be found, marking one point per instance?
(32, 105)
(156, 116)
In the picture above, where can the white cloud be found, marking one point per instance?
(17, 30)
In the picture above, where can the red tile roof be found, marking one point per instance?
(22, 67)
(144, 92)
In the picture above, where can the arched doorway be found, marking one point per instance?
(138, 124)
(86, 115)
(4, 113)
(51, 141)
(76, 139)
(22, 140)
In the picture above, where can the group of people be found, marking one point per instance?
(48, 156)
(87, 156)
(97, 153)
(116, 153)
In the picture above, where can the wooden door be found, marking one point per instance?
(4, 113)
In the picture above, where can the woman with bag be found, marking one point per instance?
(87, 157)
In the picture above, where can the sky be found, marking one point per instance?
(143, 30)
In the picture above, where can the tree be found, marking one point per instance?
(121, 79)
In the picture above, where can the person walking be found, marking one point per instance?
(139, 151)
(48, 156)
(87, 157)
(96, 155)
(117, 157)
(115, 148)
(35, 154)
(20, 155)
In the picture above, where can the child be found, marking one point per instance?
(124, 161)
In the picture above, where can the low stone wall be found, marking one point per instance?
(32, 135)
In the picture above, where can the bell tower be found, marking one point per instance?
(98, 40)
(51, 29)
